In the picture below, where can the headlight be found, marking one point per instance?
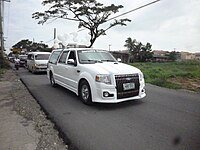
(103, 78)
(141, 76)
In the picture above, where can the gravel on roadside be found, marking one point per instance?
(26, 106)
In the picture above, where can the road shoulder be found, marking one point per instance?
(23, 123)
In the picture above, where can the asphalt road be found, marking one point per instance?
(164, 120)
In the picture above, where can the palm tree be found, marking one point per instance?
(138, 51)
(132, 46)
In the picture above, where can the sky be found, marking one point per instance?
(167, 25)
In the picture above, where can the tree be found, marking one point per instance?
(90, 15)
(29, 46)
(172, 55)
(146, 52)
(138, 51)
(131, 46)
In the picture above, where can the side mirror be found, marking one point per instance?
(119, 60)
(71, 62)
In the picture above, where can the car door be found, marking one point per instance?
(61, 68)
(52, 63)
(72, 71)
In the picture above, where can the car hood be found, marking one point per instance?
(113, 68)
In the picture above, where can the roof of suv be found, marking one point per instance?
(79, 49)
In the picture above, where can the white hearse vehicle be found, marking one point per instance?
(95, 75)
(37, 61)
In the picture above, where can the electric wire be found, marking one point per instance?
(135, 9)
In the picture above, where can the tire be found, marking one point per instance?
(28, 68)
(33, 70)
(85, 93)
(52, 80)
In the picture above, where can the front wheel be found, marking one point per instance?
(85, 93)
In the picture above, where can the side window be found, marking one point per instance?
(54, 57)
(63, 57)
(29, 57)
(32, 57)
(72, 55)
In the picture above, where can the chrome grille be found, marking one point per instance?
(128, 78)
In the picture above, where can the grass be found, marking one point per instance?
(1, 72)
(176, 75)
(4, 64)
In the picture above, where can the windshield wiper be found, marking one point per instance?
(95, 61)
(108, 60)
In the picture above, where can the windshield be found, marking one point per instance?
(94, 56)
(42, 56)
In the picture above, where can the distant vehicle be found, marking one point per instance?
(23, 59)
(95, 75)
(37, 61)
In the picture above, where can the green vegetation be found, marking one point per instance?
(29, 46)
(89, 14)
(3, 62)
(138, 51)
(176, 75)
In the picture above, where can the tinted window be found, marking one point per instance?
(63, 57)
(54, 57)
(72, 55)
(29, 56)
(42, 56)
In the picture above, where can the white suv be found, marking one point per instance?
(95, 75)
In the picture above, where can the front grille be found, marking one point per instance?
(123, 79)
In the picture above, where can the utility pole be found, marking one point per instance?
(1, 24)
(1, 28)
(109, 47)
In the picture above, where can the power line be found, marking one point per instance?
(128, 12)
(134, 9)
(123, 13)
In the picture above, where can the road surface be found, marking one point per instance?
(166, 119)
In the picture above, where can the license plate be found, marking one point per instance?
(128, 86)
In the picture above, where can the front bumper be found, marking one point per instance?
(98, 95)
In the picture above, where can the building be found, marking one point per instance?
(160, 56)
(197, 56)
(187, 56)
(123, 55)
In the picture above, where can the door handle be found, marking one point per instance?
(78, 71)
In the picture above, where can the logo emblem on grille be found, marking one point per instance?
(128, 79)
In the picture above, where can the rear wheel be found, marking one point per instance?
(52, 80)
(85, 93)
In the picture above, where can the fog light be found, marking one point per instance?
(105, 94)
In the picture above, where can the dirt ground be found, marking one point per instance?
(187, 83)
(25, 106)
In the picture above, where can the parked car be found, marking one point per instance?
(37, 61)
(23, 59)
(95, 75)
